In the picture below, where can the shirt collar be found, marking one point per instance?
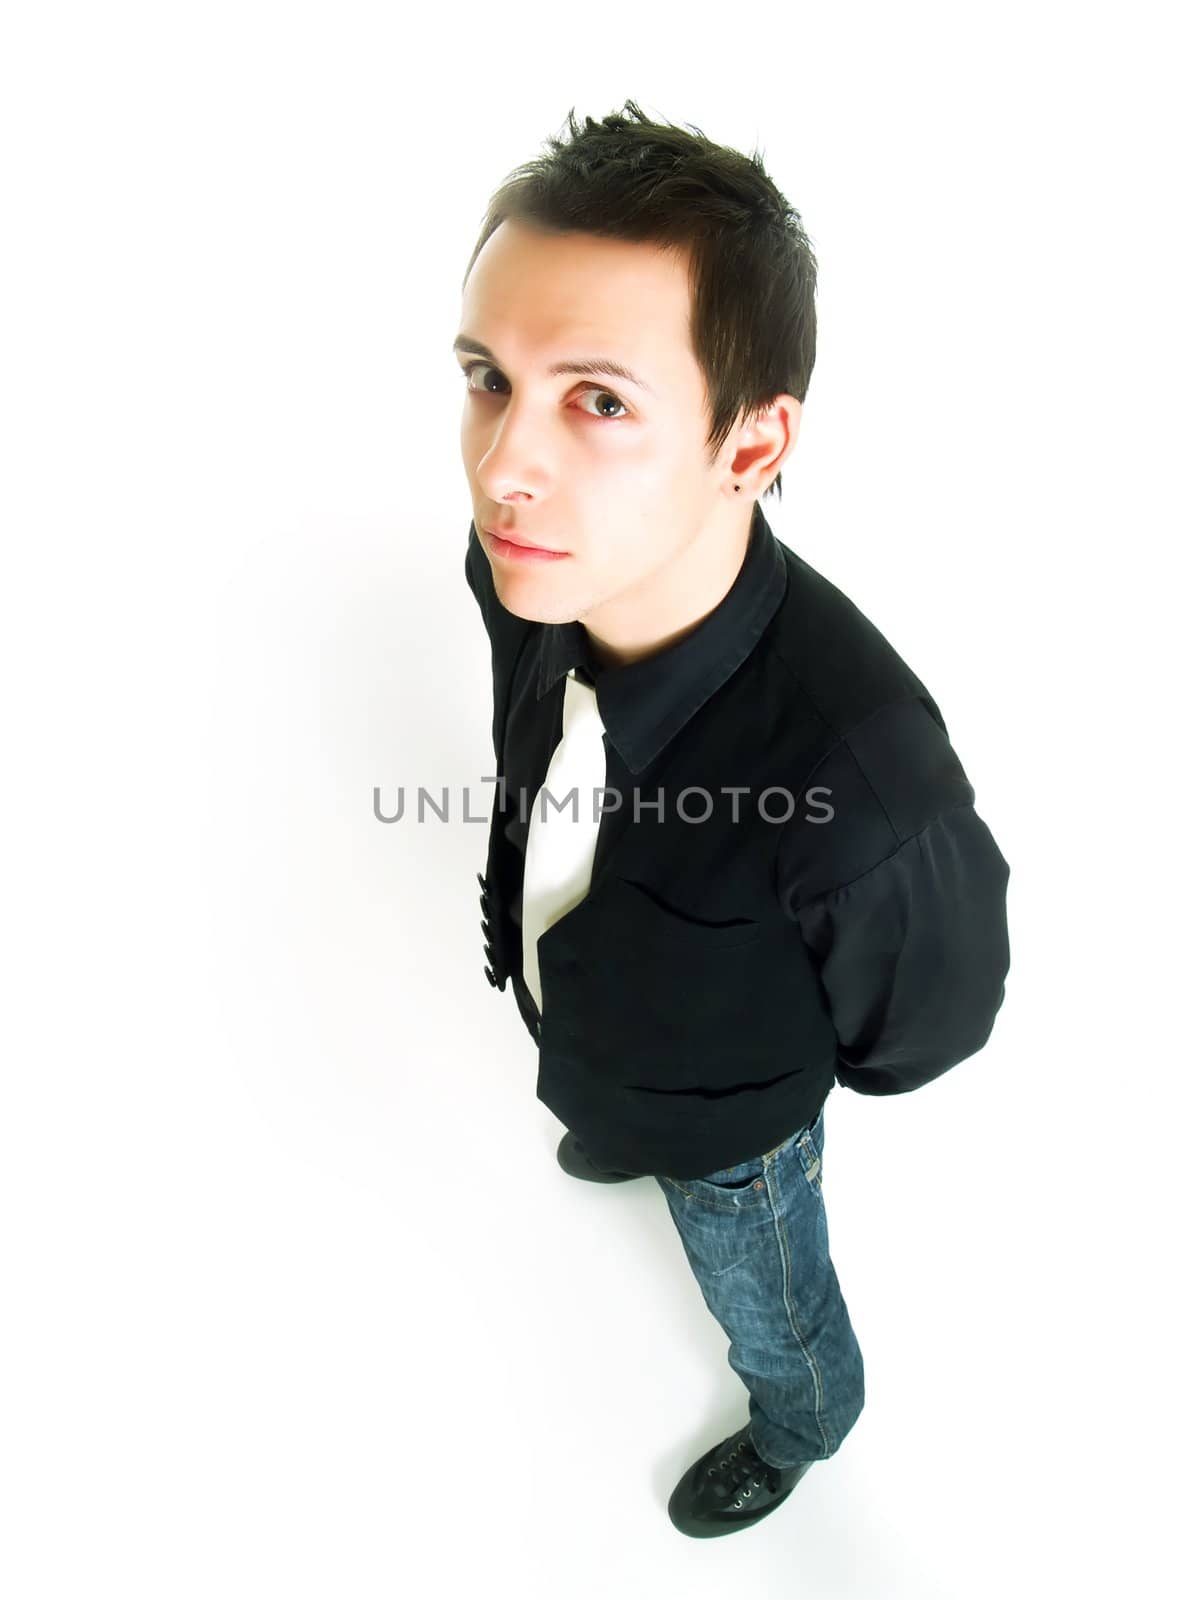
(644, 704)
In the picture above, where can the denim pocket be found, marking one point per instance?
(743, 1176)
(728, 1189)
(729, 1180)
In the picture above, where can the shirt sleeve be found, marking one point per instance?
(901, 903)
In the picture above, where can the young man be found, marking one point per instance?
(733, 857)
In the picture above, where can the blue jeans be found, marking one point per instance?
(756, 1240)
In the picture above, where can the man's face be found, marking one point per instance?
(610, 473)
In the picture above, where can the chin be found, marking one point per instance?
(530, 601)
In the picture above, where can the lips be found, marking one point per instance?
(512, 537)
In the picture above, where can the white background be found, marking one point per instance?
(297, 1301)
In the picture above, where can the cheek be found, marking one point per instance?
(628, 546)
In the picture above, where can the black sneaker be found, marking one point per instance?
(574, 1159)
(730, 1487)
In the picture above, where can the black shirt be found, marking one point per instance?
(888, 881)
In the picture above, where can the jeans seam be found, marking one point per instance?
(793, 1322)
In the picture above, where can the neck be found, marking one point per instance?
(667, 605)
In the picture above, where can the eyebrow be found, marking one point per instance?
(587, 366)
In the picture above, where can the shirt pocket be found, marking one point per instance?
(653, 921)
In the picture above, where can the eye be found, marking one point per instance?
(476, 366)
(608, 395)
